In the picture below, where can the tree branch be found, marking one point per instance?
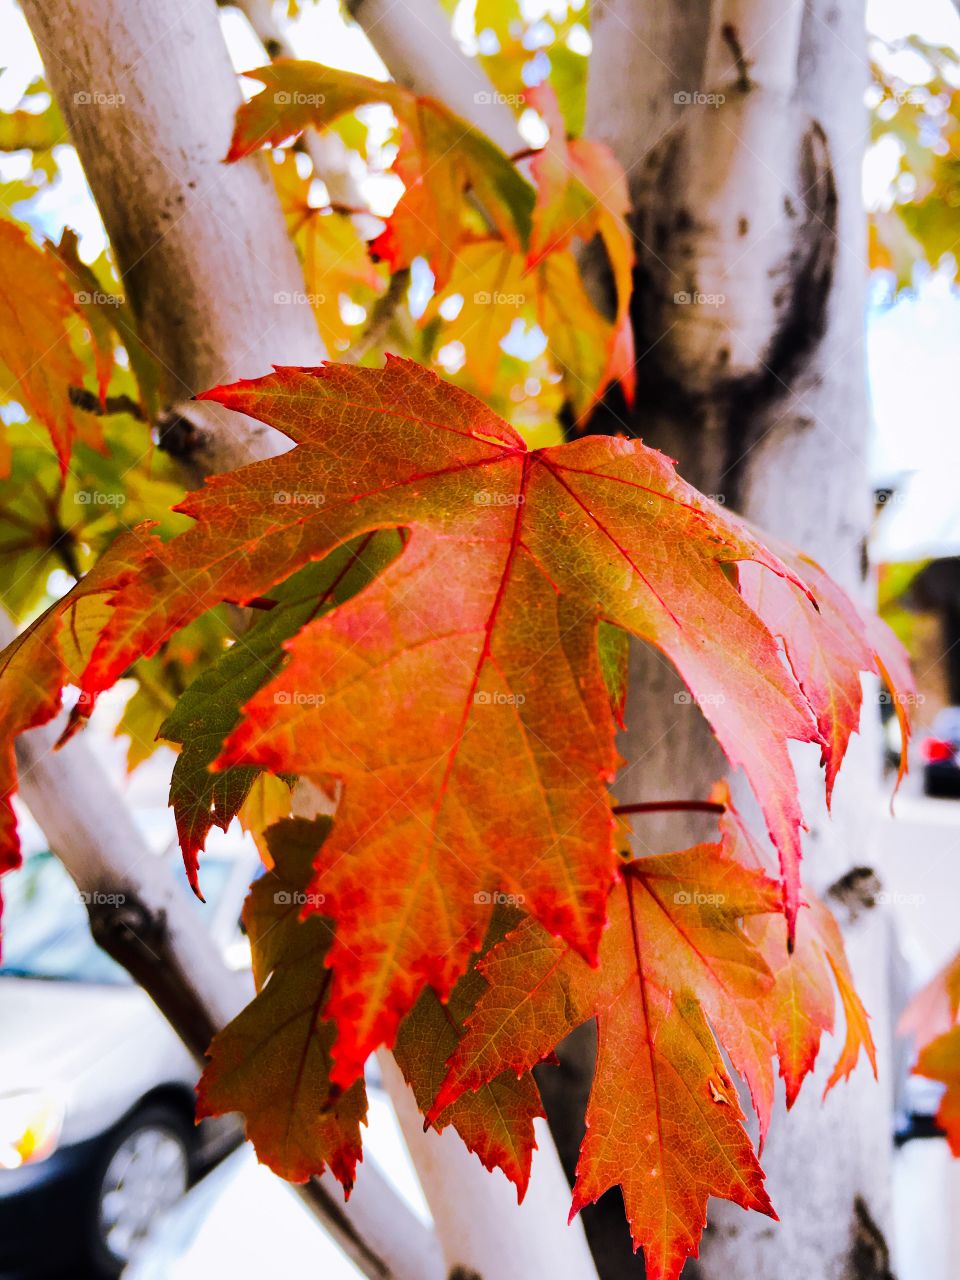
(414, 39)
(671, 806)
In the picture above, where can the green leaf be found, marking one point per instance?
(210, 708)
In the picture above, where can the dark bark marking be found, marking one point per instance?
(869, 1254)
(856, 891)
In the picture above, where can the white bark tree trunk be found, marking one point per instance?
(454, 1180)
(758, 387)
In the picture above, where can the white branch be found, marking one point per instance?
(414, 39)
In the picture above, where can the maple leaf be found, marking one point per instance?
(933, 1010)
(496, 1121)
(940, 1060)
(800, 1005)
(581, 193)
(931, 1019)
(477, 646)
(441, 157)
(51, 652)
(272, 1061)
(502, 537)
(496, 286)
(85, 290)
(663, 1120)
(827, 647)
(37, 362)
(334, 256)
(210, 708)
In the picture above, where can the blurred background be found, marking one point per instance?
(99, 1157)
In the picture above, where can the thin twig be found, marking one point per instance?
(90, 402)
(384, 310)
(671, 806)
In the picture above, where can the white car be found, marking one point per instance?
(96, 1091)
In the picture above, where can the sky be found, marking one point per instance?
(911, 346)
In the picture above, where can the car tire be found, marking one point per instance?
(143, 1169)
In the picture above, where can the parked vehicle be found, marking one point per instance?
(242, 1220)
(941, 755)
(96, 1091)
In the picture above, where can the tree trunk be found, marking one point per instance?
(742, 134)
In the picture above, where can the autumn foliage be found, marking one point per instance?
(438, 643)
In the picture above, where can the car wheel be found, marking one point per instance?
(144, 1170)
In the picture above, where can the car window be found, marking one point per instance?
(46, 932)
